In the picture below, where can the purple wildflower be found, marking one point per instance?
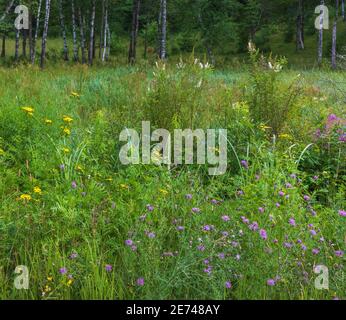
(306, 198)
(315, 251)
(261, 209)
(342, 213)
(244, 164)
(225, 218)
(151, 235)
(74, 185)
(108, 268)
(129, 242)
(228, 284)
(63, 270)
(180, 228)
(188, 196)
(339, 253)
(292, 222)
(271, 282)
(196, 210)
(263, 234)
(140, 282)
(150, 208)
(281, 193)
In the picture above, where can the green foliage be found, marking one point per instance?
(270, 101)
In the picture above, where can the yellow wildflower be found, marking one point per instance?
(47, 121)
(75, 94)
(66, 150)
(67, 119)
(69, 282)
(264, 127)
(28, 110)
(2, 152)
(163, 191)
(67, 131)
(124, 186)
(25, 197)
(50, 279)
(285, 136)
(38, 190)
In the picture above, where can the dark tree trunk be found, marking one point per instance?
(102, 29)
(30, 36)
(45, 34)
(343, 9)
(163, 31)
(63, 29)
(82, 35)
(3, 48)
(108, 51)
(300, 26)
(24, 34)
(74, 32)
(36, 32)
(134, 31)
(16, 50)
(92, 33)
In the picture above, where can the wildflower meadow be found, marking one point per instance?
(236, 191)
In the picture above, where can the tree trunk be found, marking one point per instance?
(63, 29)
(108, 51)
(320, 38)
(36, 32)
(3, 48)
(300, 26)
(105, 32)
(82, 36)
(92, 33)
(334, 35)
(74, 32)
(134, 31)
(343, 9)
(8, 8)
(45, 34)
(16, 50)
(30, 35)
(24, 34)
(163, 34)
(102, 30)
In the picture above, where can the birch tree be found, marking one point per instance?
(63, 29)
(92, 33)
(74, 32)
(45, 34)
(334, 34)
(82, 34)
(33, 56)
(320, 37)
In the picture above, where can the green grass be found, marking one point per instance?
(92, 205)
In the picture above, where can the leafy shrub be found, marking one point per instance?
(270, 100)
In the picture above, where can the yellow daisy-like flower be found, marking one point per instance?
(47, 289)
(38, 190)
(66, 131)
(28, 110)
(50, 279)
(75, 94)
(124, 186)
(25, 197)
(79, 168)
(264, 127)
(285, 136)
(66, 150)
(69, 282)
(2, 152)
(164, 192)
(47, 121)
(67, 119)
